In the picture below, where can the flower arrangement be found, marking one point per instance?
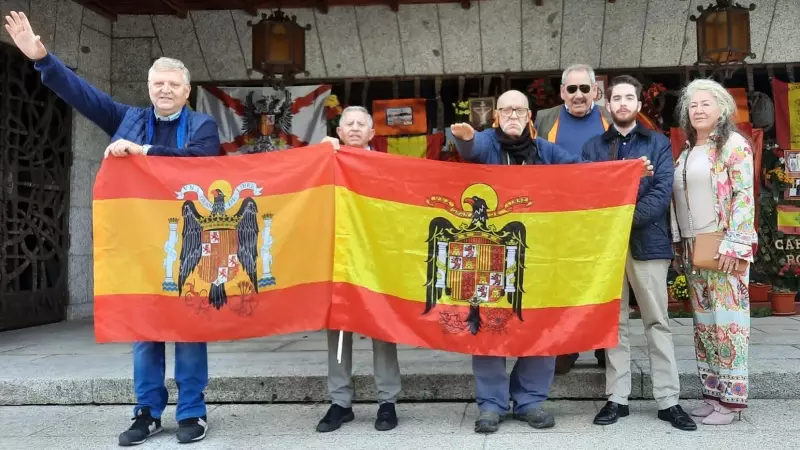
(778, 178)
(788, 278)
(652, 103)
(333, 111)
(461, 110)
(542, 93)
(678, 289)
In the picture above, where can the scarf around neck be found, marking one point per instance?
(520, 150)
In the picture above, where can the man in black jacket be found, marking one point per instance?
(648, 259)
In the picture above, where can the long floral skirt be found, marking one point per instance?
(721, 305)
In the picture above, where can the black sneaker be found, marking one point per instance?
(334, 419)
(192, 430)
(387, 417)
(144, 426)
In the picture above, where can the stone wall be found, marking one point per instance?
(82, 39)
(493, 36)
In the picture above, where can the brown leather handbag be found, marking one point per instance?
(706, 245)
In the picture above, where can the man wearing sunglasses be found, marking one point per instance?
(513, 142)
(569, 126)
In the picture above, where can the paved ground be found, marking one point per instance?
(768, 424)
(61, 364)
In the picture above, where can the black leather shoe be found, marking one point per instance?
(678, 418)
(610, 413)
(334, 419)
(564, 363)
(387, 417)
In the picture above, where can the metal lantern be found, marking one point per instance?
(723, 34)
(279, 47)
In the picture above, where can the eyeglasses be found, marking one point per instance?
(573, 88)
(506, 112)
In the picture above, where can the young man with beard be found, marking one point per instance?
(648, 259)
(356, 130)
(569, 126)
(513, 142)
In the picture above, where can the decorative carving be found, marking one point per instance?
(35, 135)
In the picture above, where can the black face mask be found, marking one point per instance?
(520, 150)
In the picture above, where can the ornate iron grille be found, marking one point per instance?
(35, 160)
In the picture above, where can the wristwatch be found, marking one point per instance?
(145, 148)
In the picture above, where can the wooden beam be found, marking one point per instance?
(394, 5)
(101, 9)
(465, 4)
(249, 7)
(538, 2)
(178, 7)
(322, 6)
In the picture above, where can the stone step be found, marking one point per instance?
(61, 364)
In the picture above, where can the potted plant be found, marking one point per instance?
(759, 284)
(782, 295)
(679, 291)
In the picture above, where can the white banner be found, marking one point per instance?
(261, 119)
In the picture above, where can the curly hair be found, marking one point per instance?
(727, 107)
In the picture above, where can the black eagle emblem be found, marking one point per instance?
(481, 264)
(218, 245)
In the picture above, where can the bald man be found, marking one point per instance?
(513, 142)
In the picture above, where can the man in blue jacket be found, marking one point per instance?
(168, 128)
(513, 142)
(648, 259)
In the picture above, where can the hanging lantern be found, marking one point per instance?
(279, 47)
(723, 34)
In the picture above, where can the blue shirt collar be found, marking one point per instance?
(169, 118)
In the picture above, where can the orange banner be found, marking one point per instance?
(492, 260)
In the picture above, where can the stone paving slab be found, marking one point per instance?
(61, 364)
(765, 424)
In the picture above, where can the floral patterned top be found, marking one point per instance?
(732, 185)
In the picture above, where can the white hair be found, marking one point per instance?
(360, 109)
(727, 109)
(578, 67)
(165, 64)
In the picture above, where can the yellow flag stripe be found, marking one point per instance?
(573, 258)
(789, 218)
(129, 254)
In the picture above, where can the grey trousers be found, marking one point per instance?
(385, 367)
(649, 282)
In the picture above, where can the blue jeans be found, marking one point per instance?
(191, 377)
(528, 387)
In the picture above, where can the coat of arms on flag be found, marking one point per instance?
(262, 119)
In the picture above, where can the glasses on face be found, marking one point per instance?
(573, 88)
(506, 112)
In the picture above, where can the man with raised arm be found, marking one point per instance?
(167, 128)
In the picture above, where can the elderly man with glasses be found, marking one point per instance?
(570, 126)
(512, 142)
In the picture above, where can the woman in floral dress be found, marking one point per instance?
(717, 169)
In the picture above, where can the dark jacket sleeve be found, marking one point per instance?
(205, 142)
(654, 203)
(476, 149)
(93, 103)
(553, 154)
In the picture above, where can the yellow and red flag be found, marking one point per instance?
(491, 260)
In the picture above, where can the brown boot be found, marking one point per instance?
(564, 363)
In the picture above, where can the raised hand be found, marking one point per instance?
(463, 131)
(18, 26)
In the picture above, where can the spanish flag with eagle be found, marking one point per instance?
(488, 260)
